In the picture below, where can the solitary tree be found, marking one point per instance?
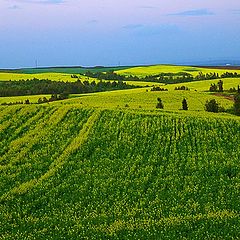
(220, 85)
(40, 100)
(159, 104)
(236, 105)
(184, 104)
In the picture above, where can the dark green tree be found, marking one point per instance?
(212, 106)
(40, 100)
(45, 100)
(213, 87)
(220, 86)
(184, 104)
(236, 105)
(159, 104)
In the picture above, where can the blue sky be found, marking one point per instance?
(106, 32)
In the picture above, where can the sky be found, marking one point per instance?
(123, 32)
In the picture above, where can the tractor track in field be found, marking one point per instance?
(75, 144)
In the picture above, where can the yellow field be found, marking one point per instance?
(60, 77)
(32, 99)
(205, 84)
(144, 98)
(141, 99)
(152, 70)
(51, 76)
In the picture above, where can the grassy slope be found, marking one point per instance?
(88, 168)
(64, 74)
(32, 98)
(58, 77)
(109, 174)
(152, 70)
(138, 97)
(69, 70)
(51, 76)
(147, 100)
(204, 85)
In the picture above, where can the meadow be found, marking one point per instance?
(145, 99)
(143, 71)
(81, 173)
(109, 165)
(65, 77)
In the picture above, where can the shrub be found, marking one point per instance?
(159, 104)
(236, 105)
(213, 106)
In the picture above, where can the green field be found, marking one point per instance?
(109, 165)
(142, 100)
(7, 76)
(69, 70)
(69, 172)
(143, 71)
(134, 70)
(64, 74)
(145, 99)
(204, 85)
(136, 99)
(32, 99)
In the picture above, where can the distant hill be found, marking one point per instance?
(213, 63)
(221, 64)
(70, 70)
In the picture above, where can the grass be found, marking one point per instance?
(32, 98)
(143, 71)
(74, 172)
(204, 85)
(51, 76)
(144, 99)
(137, 98)
(110, 165)
(60, 77)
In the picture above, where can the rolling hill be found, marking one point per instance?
(82, 173)
(109, 165)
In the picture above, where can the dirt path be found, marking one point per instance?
(231, 98)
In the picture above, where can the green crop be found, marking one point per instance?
(69, 172)
(110, 165)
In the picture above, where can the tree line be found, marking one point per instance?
(36, 87)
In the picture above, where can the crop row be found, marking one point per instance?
(134, 176)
